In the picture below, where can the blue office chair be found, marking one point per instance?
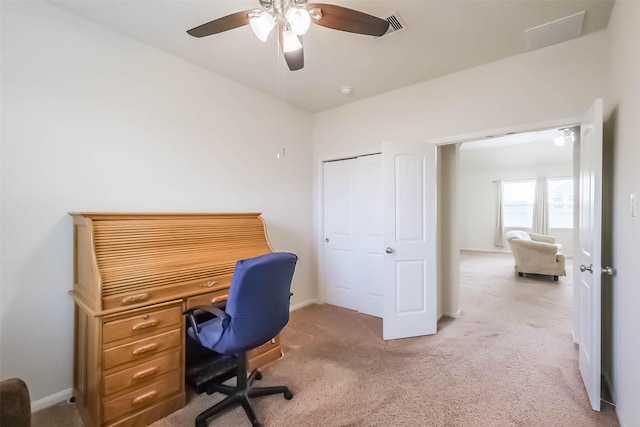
(256, 311)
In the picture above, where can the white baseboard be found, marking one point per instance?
(607, 380)
(51, 400)
(303, 304)
(493, 251)
(486, 251)
(453, 315)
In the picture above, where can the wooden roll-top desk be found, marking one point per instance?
(134, 275)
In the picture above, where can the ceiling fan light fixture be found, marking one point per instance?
(299, 20)
(315, 13)
(290, 41)
(261, 23)
(293, 18)
(565, 136)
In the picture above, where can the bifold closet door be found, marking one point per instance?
(370, 234)
(354, 226)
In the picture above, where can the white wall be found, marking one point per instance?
(624, 100)
(479, 168)
(448, 264)
(95, 121)
(555, 83)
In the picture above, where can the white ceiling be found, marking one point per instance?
(522, 151)
(442, 37)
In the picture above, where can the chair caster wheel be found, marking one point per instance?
(258, 376)
(201, 423)
(288, 395)
(257, 424)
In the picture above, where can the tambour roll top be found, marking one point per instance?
(127, 259)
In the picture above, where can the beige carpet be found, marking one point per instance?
(507, 361)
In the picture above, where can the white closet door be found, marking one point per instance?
(354, 234)
(369, 220)
(339, 259)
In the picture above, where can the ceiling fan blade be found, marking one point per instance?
(219, 25)
(352, 21)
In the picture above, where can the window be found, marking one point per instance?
(560, 202)
(517, 203)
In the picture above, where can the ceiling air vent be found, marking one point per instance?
(396, 24)
(553, 32)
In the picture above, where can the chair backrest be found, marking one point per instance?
(258, 303)
(517, 234)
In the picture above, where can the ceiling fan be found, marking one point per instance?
(293, 18)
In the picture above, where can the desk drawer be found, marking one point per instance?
(142, 323)
(267, 352)
(208, 298)
(150, 295)
(265, 348)
(141, 374)
(143, 397)
(142, 350)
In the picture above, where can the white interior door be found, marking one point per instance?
(369, 225)
(339, 259)
(410, 292)
(588, 280)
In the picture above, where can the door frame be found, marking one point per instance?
(491, 133)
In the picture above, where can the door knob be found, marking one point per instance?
(608, 271)
(389, 250)
(589, 269)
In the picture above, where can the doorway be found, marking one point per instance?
(486, 166)
(379, 243)
(586, 300)
(500, 175)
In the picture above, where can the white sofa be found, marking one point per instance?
(536, 254)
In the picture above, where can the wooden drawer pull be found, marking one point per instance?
(145, 397)
(145, 349)
(135, 298)
(209, 284)
(145, 325)
(145, 374)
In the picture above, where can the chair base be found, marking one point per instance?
(555, 278)
(240, 394)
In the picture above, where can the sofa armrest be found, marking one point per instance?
(542, 238)
(560, 257)
(548, 249)
(15, 403)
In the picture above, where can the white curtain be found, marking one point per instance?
(497, 237)
(541, 207)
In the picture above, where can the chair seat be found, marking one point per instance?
(204, 367)
(210, 332)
